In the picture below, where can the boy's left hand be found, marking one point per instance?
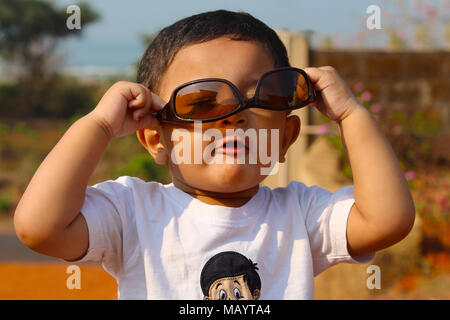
(334, 100)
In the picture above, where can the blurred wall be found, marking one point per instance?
(395, 79)
(416, 79)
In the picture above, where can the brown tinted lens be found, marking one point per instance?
(205, 100)
(286, 88)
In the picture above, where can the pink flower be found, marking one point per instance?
(366, 96)
(323, 129)
(359, 86)
(409, 175)
(429, 10)
(441, 200)
(376, 107)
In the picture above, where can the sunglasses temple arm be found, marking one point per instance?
(157, 115)
(314, 94)
(160, 115)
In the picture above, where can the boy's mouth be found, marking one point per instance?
(231, 146)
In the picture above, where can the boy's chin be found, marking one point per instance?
(226, 178)
(233, 177)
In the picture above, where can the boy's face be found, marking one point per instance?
(242, 63)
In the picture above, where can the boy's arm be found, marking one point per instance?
(47, 218)
(383, 212)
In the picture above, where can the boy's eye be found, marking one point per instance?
(237, 293)
(222, 295)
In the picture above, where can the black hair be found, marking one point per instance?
(201, 28)
(229, 264)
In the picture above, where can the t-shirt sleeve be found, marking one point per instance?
(326, 216)
(104, 206)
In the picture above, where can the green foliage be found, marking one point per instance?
(4, 128)
(396, 41)
(5, 204)
(70, 97)
(29, 34)
(144, 167)
(9, 94)
(26, 23)
(66, 98)
(21, 127)
(327, 43)
(336, 142)
(413, 134)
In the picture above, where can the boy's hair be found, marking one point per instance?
(201, 28)
(229, 264)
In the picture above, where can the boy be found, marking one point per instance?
(155, 239)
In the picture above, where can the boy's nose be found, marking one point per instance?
(236, 120)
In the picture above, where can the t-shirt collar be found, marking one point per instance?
(218, 214)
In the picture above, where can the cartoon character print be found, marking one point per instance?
(230, 275)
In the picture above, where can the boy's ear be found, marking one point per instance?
(150, 139)
(291, 133)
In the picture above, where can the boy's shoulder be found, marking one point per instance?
(128, 186)
(129, 182)
(296, 188)
(309, 197)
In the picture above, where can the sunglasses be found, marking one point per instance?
(213, 99)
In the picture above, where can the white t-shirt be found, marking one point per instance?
(156, 240)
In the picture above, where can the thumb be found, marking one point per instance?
(157, 102)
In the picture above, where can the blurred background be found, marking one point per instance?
(51, 75)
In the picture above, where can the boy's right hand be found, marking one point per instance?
(125, 108)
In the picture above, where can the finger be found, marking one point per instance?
(142, 103)
(152, 103)
(147, 121)
(157, 102)
(318, 77)
(318, 103)
(137, 97)
(313, 73)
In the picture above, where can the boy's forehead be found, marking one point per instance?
(235, 60)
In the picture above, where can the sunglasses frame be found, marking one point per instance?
(162, 115)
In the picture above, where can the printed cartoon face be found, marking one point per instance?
(230, 275)
(231, 288)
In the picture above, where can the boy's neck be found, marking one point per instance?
(231, 199)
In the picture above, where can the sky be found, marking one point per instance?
(114, 41)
